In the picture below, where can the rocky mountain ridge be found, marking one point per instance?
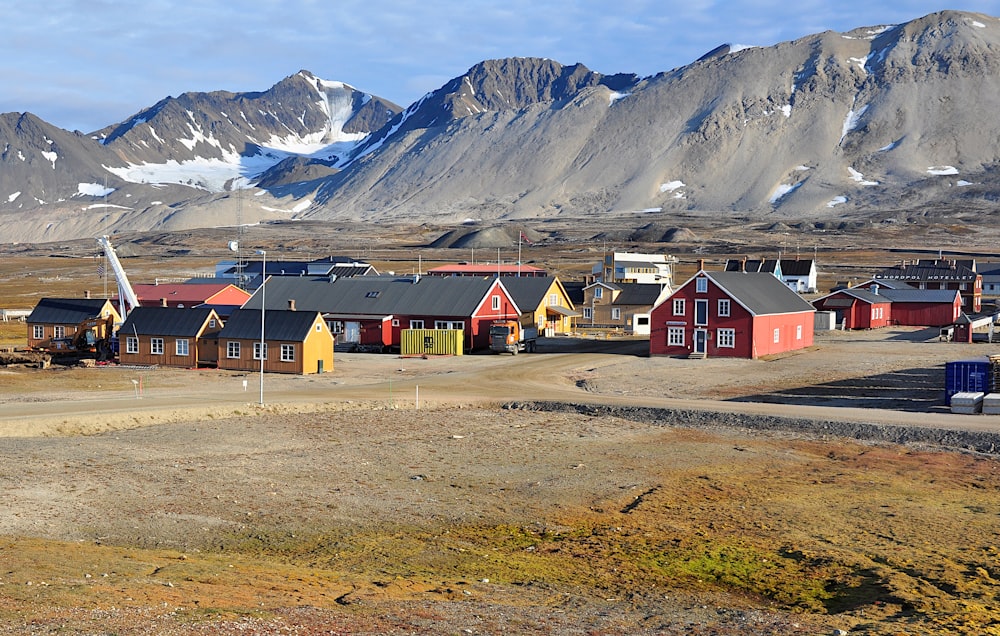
(886, 123)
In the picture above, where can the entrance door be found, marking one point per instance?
(352, 332)
(700, 338)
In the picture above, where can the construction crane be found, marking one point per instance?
(126, 295)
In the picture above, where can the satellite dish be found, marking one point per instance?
(234, 246)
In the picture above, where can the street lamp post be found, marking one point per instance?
(263, 310)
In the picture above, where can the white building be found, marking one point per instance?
(631, 267)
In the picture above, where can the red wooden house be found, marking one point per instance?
(878, 303)
(857, 308)
(187, 295)
(372, 311)
(732, 314)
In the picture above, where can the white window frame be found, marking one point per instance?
(38, 332)
(288, 353)
(616, 313)
(679, 306)
(598, 292)
(798, 332)
(233, 349)
(725, 308)
(182, 347)
(256, 350)
(777, 335)
(588, 313)
(58, 331)
(553, 300)
(496, 303)
(701, 285)
(675, 336)
(416, 324)
(131, 344)
(725, 338)
(156, 346)
(211, 323)
(336, 327)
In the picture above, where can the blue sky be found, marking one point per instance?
(81, 65)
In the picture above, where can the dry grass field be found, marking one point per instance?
(345, 506)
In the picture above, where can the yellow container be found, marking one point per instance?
(433, 342)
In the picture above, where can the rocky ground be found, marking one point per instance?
(583, 490)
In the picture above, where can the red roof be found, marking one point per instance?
(190, 294)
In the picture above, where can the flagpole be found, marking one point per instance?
(519, 235)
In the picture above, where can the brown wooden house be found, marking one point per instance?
(70, 323)
(293, 342)
(170, 337)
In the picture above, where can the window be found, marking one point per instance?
(701, 284)
(675, 336)
(588, 313)
(38, 332)
(336, 326)
(395, 322)
(287, 353)
(372, 294)
(416, 324)
(232, 349)
(679, 306)
(156, 346)
(319, 327)
(449, 324)
(553, 300)
(616, 313)
(131, 344)
(724, 307)
(598, 292)
(59, 331)
(496, 303)
(777, 336)
(798, 332)
(181, 347)
(726, 338)
(211, 323)
(701, 312)
(257, 349)
(642, 321)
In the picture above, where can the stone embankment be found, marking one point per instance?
(955, 440)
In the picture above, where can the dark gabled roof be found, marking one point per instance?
(988, 268)
(928, 271)
(574, 290)
(796, 267)
(760, 293)
(528, 292)
(166, 321)
(66, 311)
(638, 294)
(376, 295)
(920, 295)
(887, 283)
(752, 265)
(291, 326)
(889, 295)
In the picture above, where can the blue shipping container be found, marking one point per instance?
(972, 375)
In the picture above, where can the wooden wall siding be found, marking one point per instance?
(168, 358)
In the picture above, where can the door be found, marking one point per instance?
(352, 331)
(700, 338)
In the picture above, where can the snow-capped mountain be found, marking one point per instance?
(888, 121)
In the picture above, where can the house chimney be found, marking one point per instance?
(875, 290)
(163, 302)
(743, 264)
(291, 304)
(86, 293)
(701, 264)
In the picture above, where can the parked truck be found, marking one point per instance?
(508, 336)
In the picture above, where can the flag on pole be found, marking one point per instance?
(525, 239)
